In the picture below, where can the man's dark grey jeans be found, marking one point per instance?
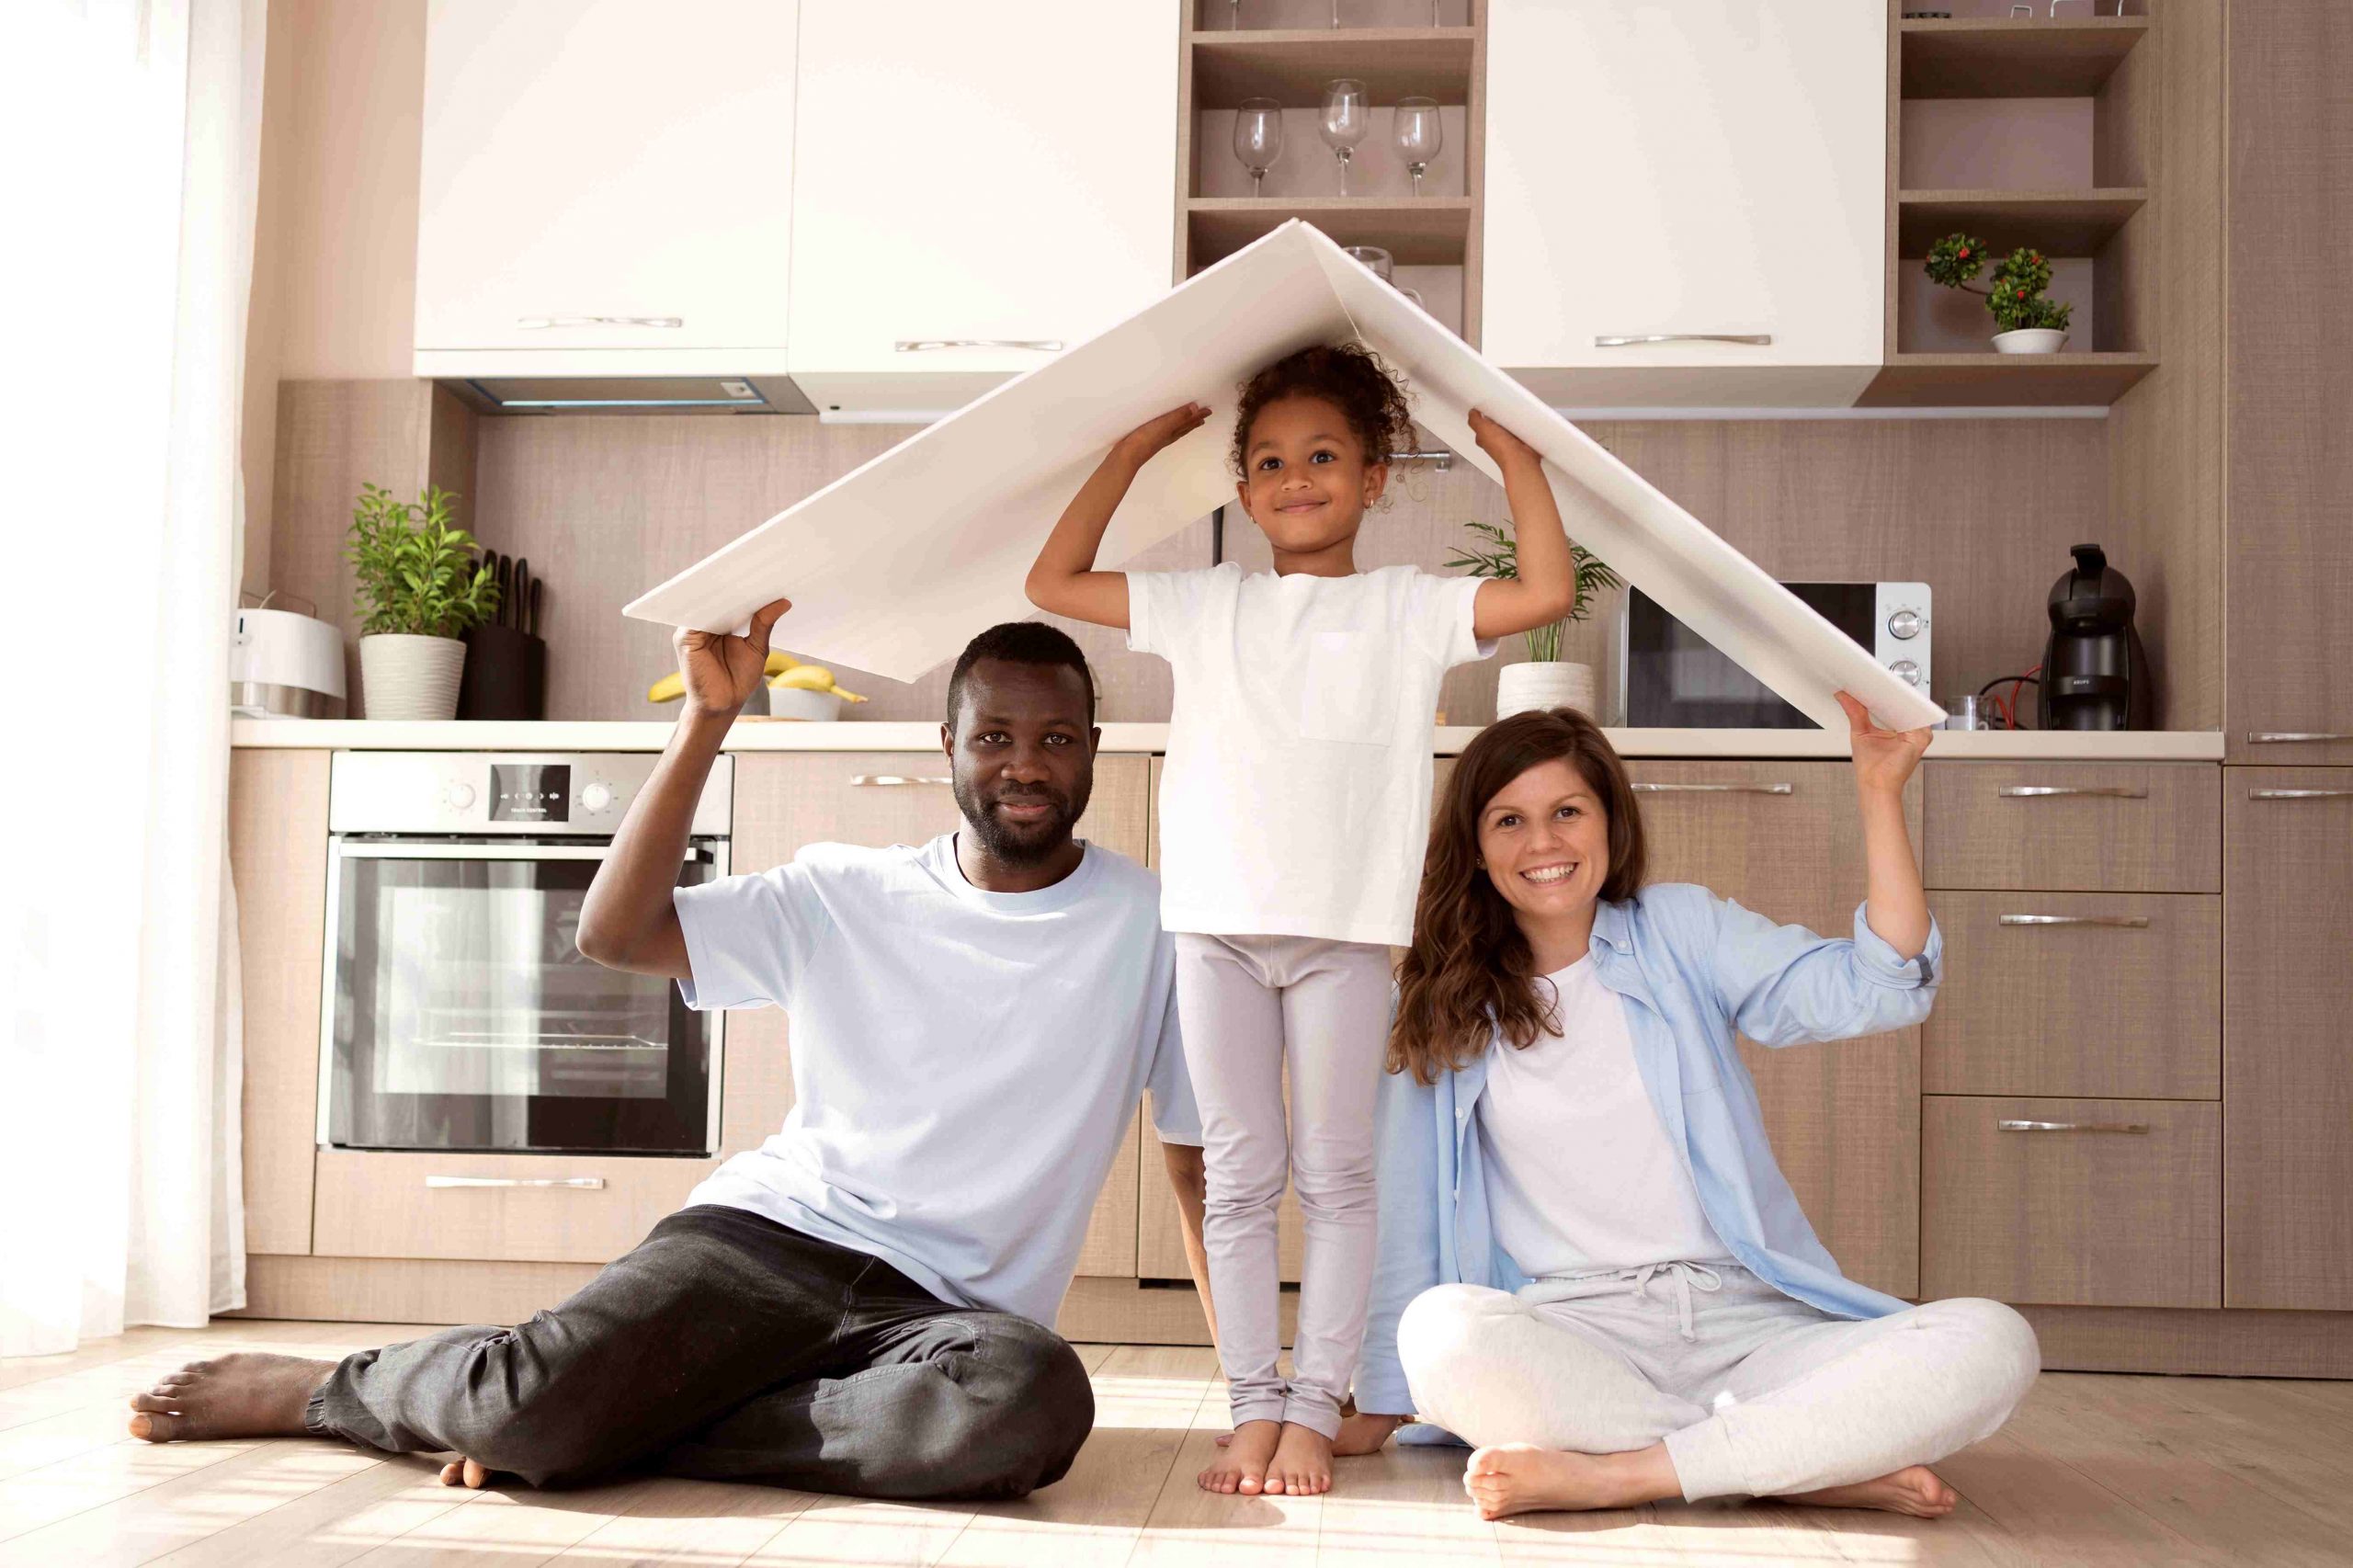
(734, 1349)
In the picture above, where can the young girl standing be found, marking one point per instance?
(1293, 807)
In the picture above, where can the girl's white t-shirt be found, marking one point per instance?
(1581, 1175)
(1295, 799)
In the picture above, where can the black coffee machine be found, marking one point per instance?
(2095, 672)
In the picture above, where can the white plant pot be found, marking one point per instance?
(2030, 340)
(1519, 687)
(791, 702)
(410, 677)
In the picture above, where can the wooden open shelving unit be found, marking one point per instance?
(2109, 59)
(1220, 68)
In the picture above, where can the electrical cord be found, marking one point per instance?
(2006, 704)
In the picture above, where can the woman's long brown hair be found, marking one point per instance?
(1469, 972)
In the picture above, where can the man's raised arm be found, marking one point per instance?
(628, 921)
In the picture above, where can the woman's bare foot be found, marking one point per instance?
(1242, 1466)
(1302, 1463)
(1915, 1490)
(246, 1395)
(465, 1473)
(1520, 1478)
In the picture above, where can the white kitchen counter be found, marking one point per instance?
(765, 735)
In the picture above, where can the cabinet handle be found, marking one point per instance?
(2114, 791)
(535, 324)
(2119, 922)
(2007, 1126)
(1712, 790)
(2298, 794)
(589, 1184)
(1637, 339)
(2279, 737)
(926, 344)
(895, 780)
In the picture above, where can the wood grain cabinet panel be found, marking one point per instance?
(2116, 994)
(785, 800)
(2288, 1003)
(1844, 1118)
(278, 863)
(384, 1205)
(2114, 827)
(2053, 1209)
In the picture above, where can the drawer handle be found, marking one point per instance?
(2119, 922)
(588, 1184)
(2008, 1126)
(540, 324)
(2279, 737)
(926, 344)
(2298, 794)
(895, 780)
(2035, 791)
(1713, 789)
(1638, 339)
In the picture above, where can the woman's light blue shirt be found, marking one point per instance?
(1692, 970)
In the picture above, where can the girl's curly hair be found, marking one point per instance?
(1351, 378)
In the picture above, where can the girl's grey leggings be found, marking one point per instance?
(1753, 1393)
(1250, 1008)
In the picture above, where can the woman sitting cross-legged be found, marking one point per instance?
(1590, 1267)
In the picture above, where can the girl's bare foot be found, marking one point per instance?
(1302, 1463)
(246, 1395)
(1242, 1466)
(465, 1473)
(1915, 1490)
(1520, 1478)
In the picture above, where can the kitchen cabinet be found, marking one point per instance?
(1663, 177)
(2113, 828)
(606, 187)
(965, 201)
(2287, 991)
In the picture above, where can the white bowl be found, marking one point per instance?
(2030, 340)
(791, 702)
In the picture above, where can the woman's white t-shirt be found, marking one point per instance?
(1295, 800)
(1581, 1175)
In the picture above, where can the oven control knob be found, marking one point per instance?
(596, 796)
(459, 797)
(1906, 624)
(1905, 671)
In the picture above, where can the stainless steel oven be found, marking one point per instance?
(457, 1012)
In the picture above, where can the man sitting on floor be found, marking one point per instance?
(857, 1306)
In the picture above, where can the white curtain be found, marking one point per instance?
(132, 129)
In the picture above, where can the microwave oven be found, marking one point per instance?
(1668, 675)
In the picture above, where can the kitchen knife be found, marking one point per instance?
(505, 596)
(522, 592)
(533, 627)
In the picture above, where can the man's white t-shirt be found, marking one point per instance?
(1581, 1175)
(965, 1063)
(1296, 798)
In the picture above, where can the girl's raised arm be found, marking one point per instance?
(1546, 588)
(1063, 581)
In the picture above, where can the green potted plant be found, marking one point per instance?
(2030, 322)
(1544, 680)
(420, 590)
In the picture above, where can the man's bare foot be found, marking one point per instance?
(1242, 1466)
(465, 1473)
(1302, 1463)
(1520, 1478)
(1915, 1490)
(246, 1395)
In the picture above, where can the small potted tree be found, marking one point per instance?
(420, 590)
(1544, 680)
(2030, 322)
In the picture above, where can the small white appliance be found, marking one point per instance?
(285, 665)
(1669, 676)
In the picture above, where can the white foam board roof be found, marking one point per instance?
(896, 565)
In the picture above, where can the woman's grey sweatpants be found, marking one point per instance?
(1248, 1007)
(1753, 1393)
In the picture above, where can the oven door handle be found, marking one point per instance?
(375, 850)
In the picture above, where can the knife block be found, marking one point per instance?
(505, 675)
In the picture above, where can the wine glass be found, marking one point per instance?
(1258, 138)
(1418, 133)
(1347, 114)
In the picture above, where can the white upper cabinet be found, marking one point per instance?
(603, 180)
(971, 179)
(1689, 170)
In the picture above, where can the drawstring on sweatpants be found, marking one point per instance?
(1687, 1278)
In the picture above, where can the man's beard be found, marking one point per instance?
(1025, 844)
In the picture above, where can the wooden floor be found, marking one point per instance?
(2094, 1470)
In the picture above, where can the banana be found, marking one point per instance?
(672, 687)
(812, 678)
